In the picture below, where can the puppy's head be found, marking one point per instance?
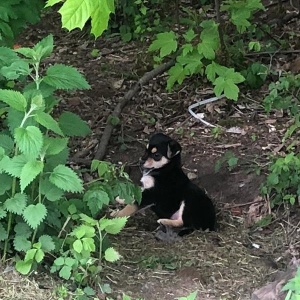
(160, 151)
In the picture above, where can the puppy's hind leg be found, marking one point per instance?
(176, 219)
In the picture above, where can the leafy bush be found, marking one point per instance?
(36, 216)
(14, 15)
(293, 287)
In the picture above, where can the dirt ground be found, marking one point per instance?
(228, 264)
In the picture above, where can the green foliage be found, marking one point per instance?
(255, 75)
(76, 13)
(14, 16)
(293, 287)
(229, 160)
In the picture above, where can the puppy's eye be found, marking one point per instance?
(157, 156)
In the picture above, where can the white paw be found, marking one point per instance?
(162, 221)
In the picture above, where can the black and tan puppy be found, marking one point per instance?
(173, 197)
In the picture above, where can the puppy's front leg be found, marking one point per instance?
(176, 219)
(127, 211)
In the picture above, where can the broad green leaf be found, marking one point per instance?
(52, 2)
(3, 213)
(111, 255)
(192, 62)
(59, 261)
(189, 35)
(16, 204)
(51, 192)
(48, 122)
(39, 256)
(113, 226)
(100, 14)
(65, 272)
(83, 231)
(27, 52)
(15, 70)
(88, 244)
(34, 214)
(7, 143)
(77, 246)
(69, 261)
(7, 56)
(29, 172)
(37, 102)
(72, 125)
(54, 146)
(13, 166)
(5, 183)
(14, 120)
(29, 140)
(21, 243)
(66, 179)
(14, 99)
(165, 42)
(23, 267)
(45, 47)
(95, 200)
(23, 229)
(177, 74)
(65, 77)
(58, 159)
(88, 219)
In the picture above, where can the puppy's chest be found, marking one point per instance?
(147, 181)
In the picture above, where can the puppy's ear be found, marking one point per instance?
(173, 149)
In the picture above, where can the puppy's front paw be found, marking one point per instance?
(163, 221)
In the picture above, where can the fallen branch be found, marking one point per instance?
(118, 109)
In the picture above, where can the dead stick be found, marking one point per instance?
(118, 109)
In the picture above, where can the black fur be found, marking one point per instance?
(172, 186)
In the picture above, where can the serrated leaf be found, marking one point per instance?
(48, 122)
(66, 179)
(95, 200)
(77, 246)
(176, 74)
(23, 267)
(113, 226)
(88, 219)
(189, 35)
(29, 172)
(60, 261)
(16, 204)
(3, 213)
(45, 47)
(88, 244)
(111, 255)
(52, 2)
(65, 272)
(69, 261)
(58, 159)
(15, 70)
(54, 146)
(72, 125)
(47, 243)
(65, 77)
(27, 52)
(7, 143)
(5, 183)
(21, 243)
(34, 214)
(165, 42)
(51, 192)
(39, 256)
(3, 233)
(29, 140)
(13, 166)
(14, 99)
(23, 229)
(14, 119)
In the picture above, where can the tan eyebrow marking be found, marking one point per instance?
(153, 150)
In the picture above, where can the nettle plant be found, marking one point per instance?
(36, 215)
(197, 50)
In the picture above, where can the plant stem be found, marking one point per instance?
(100, 243)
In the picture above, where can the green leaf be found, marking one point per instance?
(14, 99)
(47, 243)
(13, 166)
(3, 213)
(165, 42)
(192, 62)
(65, 272)
(88, 219)
(21, 243)
(113, 226)
(88, 244)
(59, 261)
(16, 204)
(45, 47)
(77, 246)
(51, 192)
(52, 2)
(65, 77)
(24, 267)
(189, 35)
(34, 214)
(177, 74)
(70, 262)
(72, 125)
(23, 229)
(48, 122)
(273, 179)
(6, 183)
(66, 179)
(54, 146)
(111, 255)
(27, 52)
(95, 200)
(15, 70)
(7, 143)
(29, 172)
(29, 140)
(39, 256)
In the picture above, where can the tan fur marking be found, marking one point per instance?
(127, 211)
(153, 150)
(174, 223)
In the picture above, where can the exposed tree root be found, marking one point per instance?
(118, 109)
